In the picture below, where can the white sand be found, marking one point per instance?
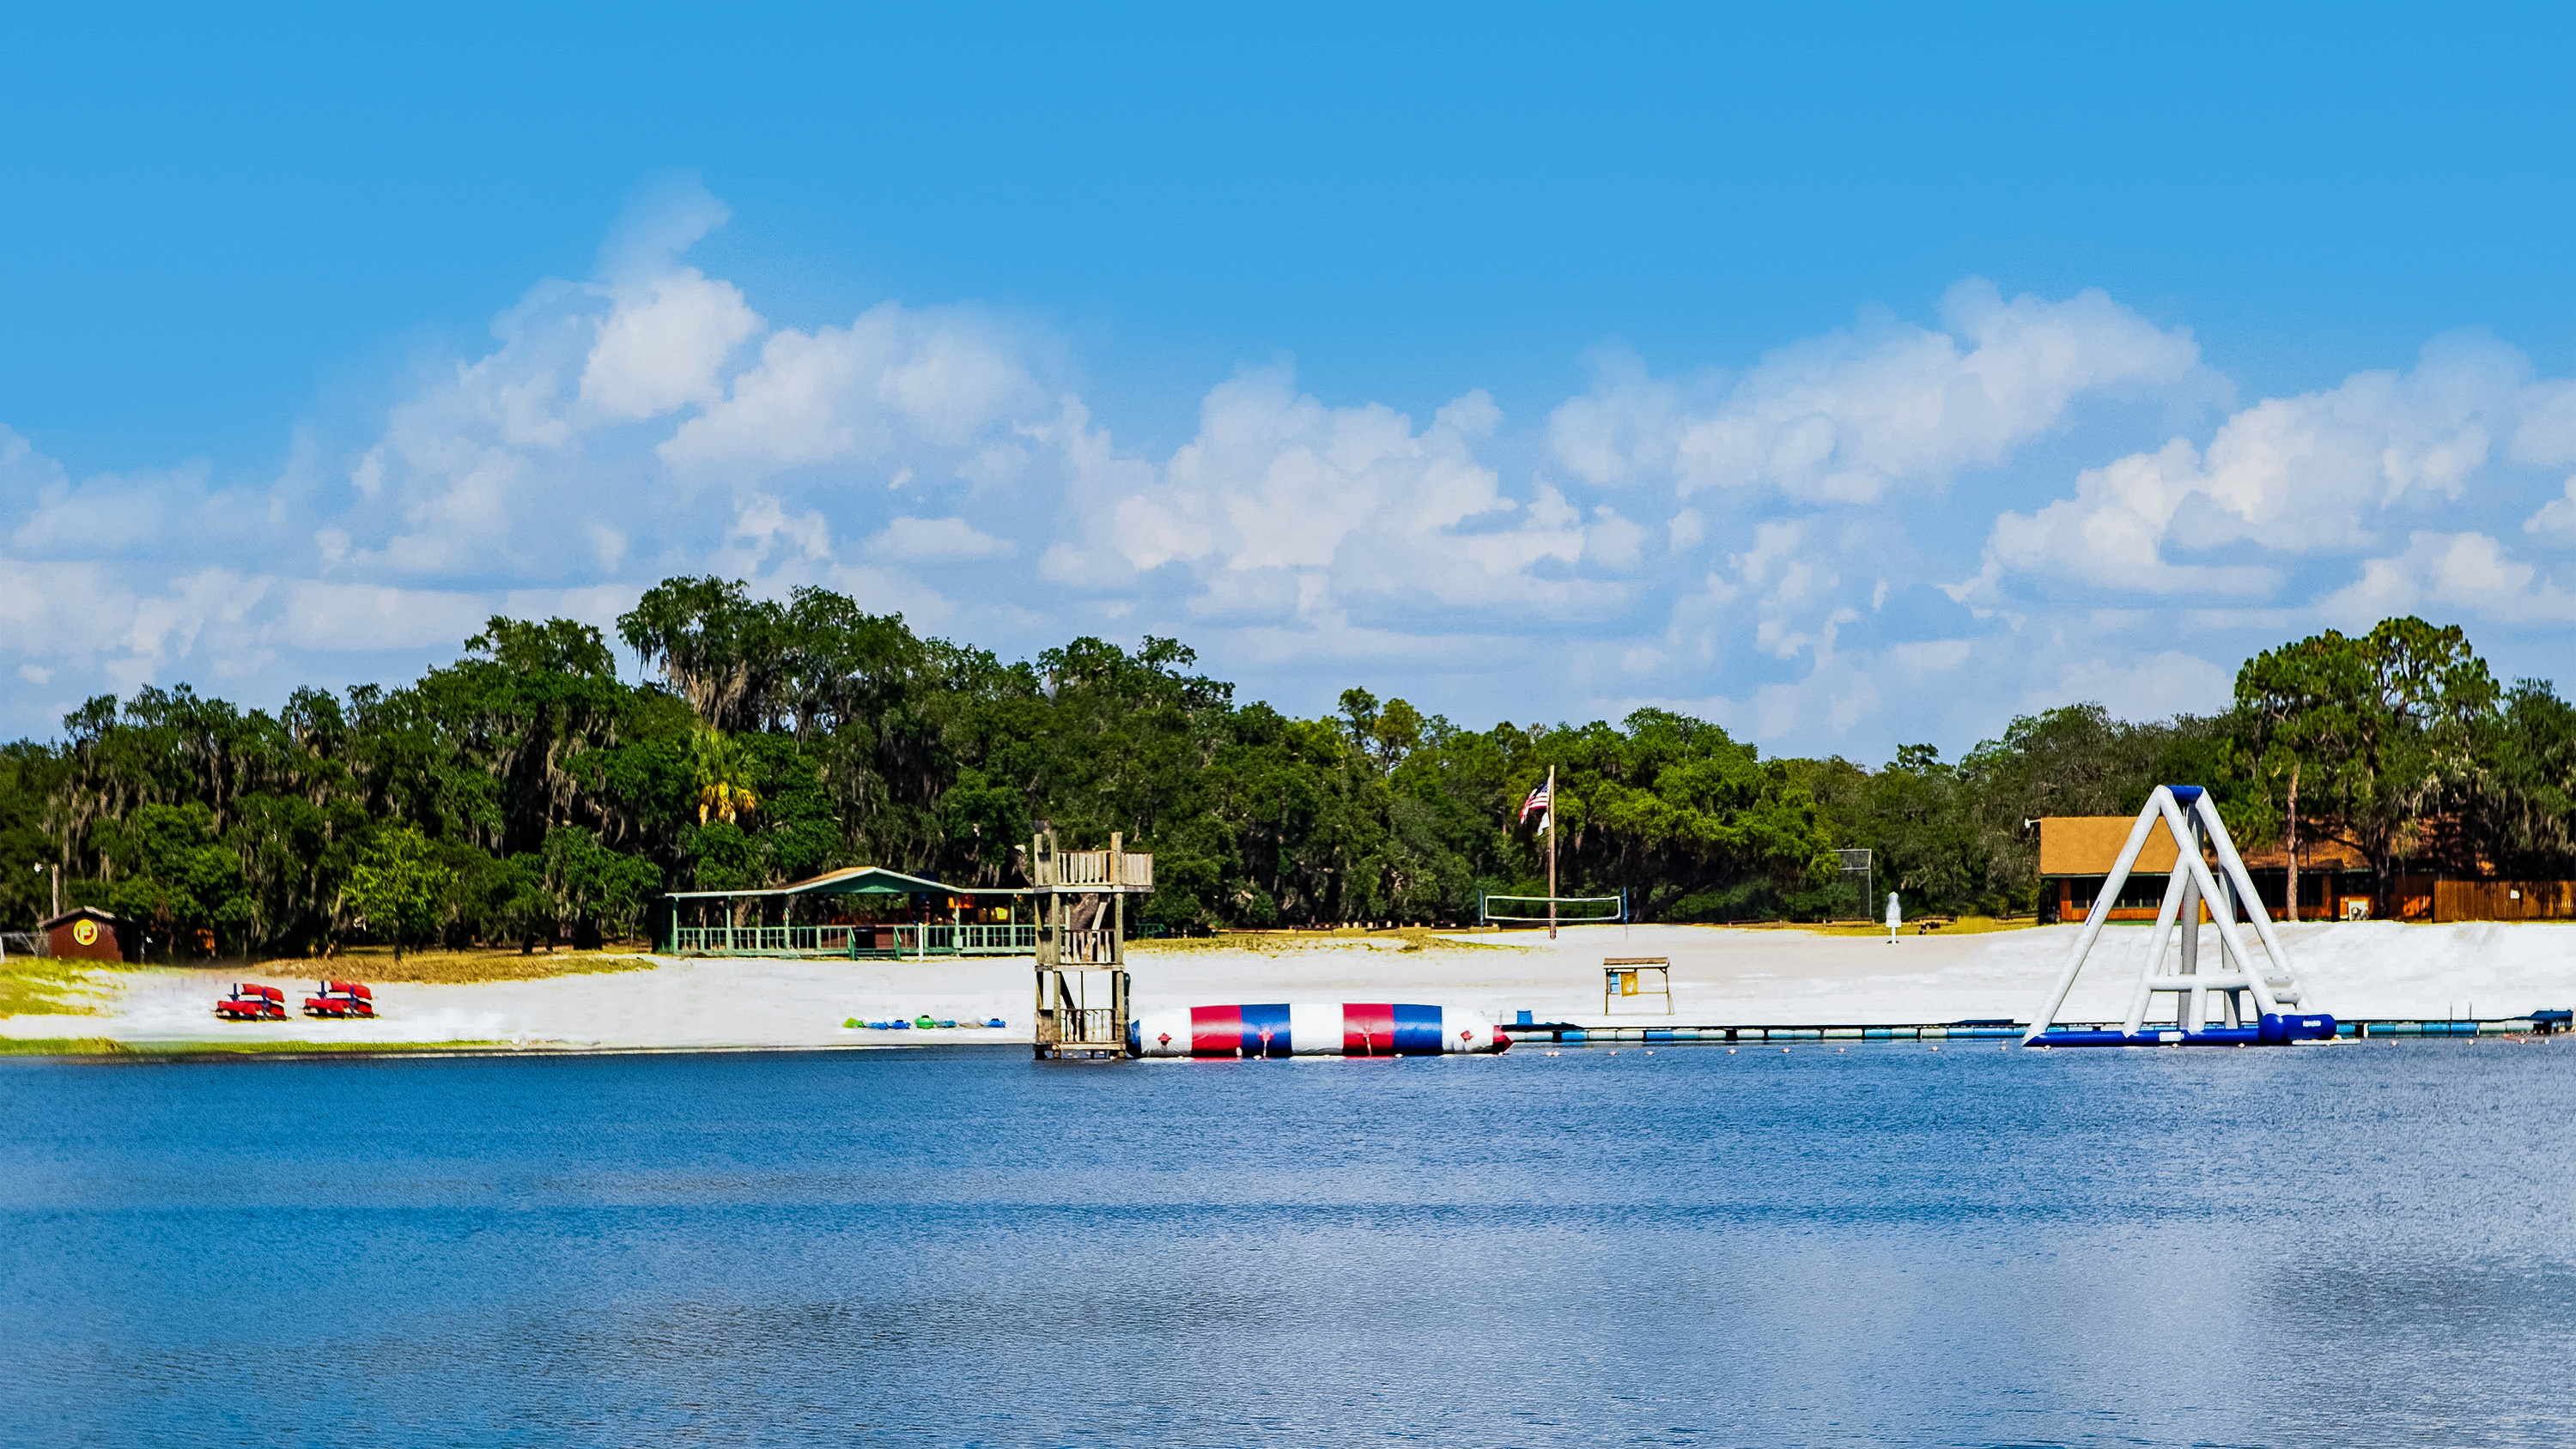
(2375, 969)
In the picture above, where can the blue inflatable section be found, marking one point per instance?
(1417, 1030)
(2274, 1031)
(1272, 1018)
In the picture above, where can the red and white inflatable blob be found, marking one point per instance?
(1313, 1029)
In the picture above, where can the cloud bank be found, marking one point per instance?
(1900, 531)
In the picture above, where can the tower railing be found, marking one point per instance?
(1095, 870)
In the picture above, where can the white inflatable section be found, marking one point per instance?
(1317, 1022)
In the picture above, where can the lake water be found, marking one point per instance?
(2363, 1244)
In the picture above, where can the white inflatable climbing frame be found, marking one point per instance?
(2209, 1006)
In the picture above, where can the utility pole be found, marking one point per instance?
(1551, 852)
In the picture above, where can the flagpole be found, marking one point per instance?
(1551, 852)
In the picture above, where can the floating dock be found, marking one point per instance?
(1571, 1034)
(1566, 1033)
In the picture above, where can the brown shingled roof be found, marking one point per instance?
(2090, 844)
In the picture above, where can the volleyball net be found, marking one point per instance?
(1616, 913)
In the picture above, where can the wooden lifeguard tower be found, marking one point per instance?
(1627, 978)
(1082, 944)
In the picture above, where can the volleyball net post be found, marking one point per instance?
(1857, 873)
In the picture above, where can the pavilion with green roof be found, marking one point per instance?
(861, 911)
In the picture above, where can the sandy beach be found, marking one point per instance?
(1720, 975)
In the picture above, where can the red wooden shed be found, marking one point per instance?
(86, 933)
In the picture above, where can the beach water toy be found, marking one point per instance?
(2249, 996)
(996, 1021)
(924, 1022)
(1313, 1029)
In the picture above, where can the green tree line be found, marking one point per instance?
(528, 792)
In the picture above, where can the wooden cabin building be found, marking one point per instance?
(2076, 853)
(86, 933)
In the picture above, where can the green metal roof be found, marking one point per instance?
(861, 880)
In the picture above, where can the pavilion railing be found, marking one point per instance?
(903, 940)
(1014, 940)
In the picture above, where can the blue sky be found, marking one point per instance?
(1851, 376)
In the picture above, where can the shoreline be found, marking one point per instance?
(179, 1053)
(1719, 974)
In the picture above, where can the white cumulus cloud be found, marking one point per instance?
(2320, 472)
(2448, 572)
(1717, 541)
(939, 540)
(939, 379)
(1849, 417)
(1285, 505)
(664, 345)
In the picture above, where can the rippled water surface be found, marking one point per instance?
(2362, 1244)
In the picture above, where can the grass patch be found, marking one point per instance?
(99, 1046)
(41, 986)
(301, 1048)
(375, 965)
(1941, 926)
(62, 1046)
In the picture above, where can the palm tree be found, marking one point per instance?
(717, 767)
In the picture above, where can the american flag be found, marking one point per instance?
(1538, 800)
